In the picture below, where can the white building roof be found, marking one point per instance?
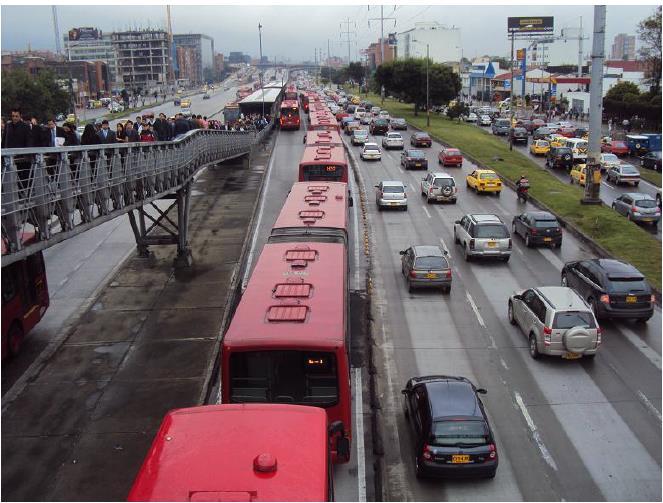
(271, 95)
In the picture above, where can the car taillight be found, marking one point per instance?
(449, 273)
(413, 274)
(430, 190)
(404, 195)
(510, 244)
(599, 333)
(653, 298)
(493, 451)
(427, 454)
(547, 333)
(471, 244)
(634, 209)
(605, 299)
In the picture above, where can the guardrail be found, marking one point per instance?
(52, 194)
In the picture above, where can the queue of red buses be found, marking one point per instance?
(251, 452)
(289, 115)
(327, 138)
(323, 120)
(25, 298)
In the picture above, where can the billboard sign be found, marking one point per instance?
(520, 54)
(392, 40)
(541, 24)
(84, 34)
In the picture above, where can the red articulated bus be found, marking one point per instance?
(331, 222)
(323, 163)
(289, 115)
(323, 121)
(24, 298)
(251, 452)
(290, 93)
(328, 138)
(289, 339)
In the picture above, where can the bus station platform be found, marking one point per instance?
(79, 429)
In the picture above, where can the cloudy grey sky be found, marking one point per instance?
(294, 31)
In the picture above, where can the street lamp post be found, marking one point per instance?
(262, 89)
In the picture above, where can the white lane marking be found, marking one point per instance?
(359, 420)
(552, 258)
(426, 211)
(475, 309)
(355, 216)
(503, 363)
(256, 231)
(446, 248)
(642, 346)
(535, 432)
(649, 405)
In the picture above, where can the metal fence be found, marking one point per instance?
(51, 194)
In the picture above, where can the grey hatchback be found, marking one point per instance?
(426, 266)
(638, 207)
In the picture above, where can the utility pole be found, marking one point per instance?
(580, 47)
(592, 185)
(328, 64)
(171, 73)
(347, 33)
(511, 100)
(262, 89)
(381, 19)
(56, 27)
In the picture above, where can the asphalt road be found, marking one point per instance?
(78, 267)
(609, 191)
(566, 430)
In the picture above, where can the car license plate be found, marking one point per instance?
(547, 240)
(571, 356)
(417, 164)
(492, 244)
(631, 299)
(431, 275)
(460, 458)
(392, 204)
(647, 219)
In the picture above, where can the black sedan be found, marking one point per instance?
(413, 159)
(652, 160)
(421, 140)
(452, 436)
(538, 227)
(542, 133)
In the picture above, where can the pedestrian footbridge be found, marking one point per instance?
(52, 194)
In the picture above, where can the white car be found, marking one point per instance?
(485, 120)
(359, 113)
(383, 115)
(115, 107)
(472, 117)
(393, 140)
(375, 111)
(371, 151)
(609, 161)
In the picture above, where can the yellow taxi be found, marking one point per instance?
(539, 147)
(484, 180)
(557, 140)
(355, 100)
(579, 174)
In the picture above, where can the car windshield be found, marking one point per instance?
(393, 189)
(541, 143)
(545, 224)
(562, 151)
(394, 136)
(415, 154)
(570, 319)
(443, 182)
(452, 151)
(496, 231)
(360, 132)
(619, 144)
(431, 263)
(371, 147)
(459, 432)
(645, 203)
(488, 176)
(629, 170)
(610, 158)
(381, 122)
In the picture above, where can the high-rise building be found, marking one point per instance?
(235, 57)
(90, 44)
(203, 53)
(444, 43)
(143, 58)
(623, 47)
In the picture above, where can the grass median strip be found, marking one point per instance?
(613, 232)
(651, 176)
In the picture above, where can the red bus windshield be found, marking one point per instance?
(289, 111)
(323, 172)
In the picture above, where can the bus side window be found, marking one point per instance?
(8, 284)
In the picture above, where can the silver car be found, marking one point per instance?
(391, 194)
(609, 161)
(624, 173)
(393, 140)
(359, 137)
(556, 321)
(371, 151)
(638, 207)
(426, 266)
(439, 186)
(483, 235)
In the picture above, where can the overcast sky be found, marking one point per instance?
(294, 31)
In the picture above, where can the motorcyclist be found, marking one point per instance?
(522, 186)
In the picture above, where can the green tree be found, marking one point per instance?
(355, 71)
(649, 31)
(619, 91)
(456, 111)
(39, 96)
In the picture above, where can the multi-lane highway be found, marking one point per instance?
(566, 430)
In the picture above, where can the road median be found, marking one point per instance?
(610, 233)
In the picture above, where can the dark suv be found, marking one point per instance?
(379, 126)
(519, 134)
(452, 437)
(614, 289)
(560, 157)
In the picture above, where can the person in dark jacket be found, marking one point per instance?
(36, 132)
(161, 128)
(17, 133)
(130, 133)
(181, 125)
(146, 135)
(106, 136)
(70, 137)
(50, 134)
(90, 136)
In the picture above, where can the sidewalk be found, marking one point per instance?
(80, 429)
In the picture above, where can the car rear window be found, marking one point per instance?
(545, 224)
(646, 203)
(371, 147)
(563, 150)
(432, 263)
(421, 136)
(452, 151)
(570, 319)
(625, 285)
(488, 176)
(629, 170)
(416, 154)
(444, 182)
(459, 432)
(610, 157)
(393, 189)
(497, 231)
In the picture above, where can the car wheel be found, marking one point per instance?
(491, 475)
(15, 339)
(644, 320)
(428, 200)
(636, 184)
(533, 349)
(512, 319)
(528, 242)
(453, 201)
(446, 289)
(506, 259)
(439, 162)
